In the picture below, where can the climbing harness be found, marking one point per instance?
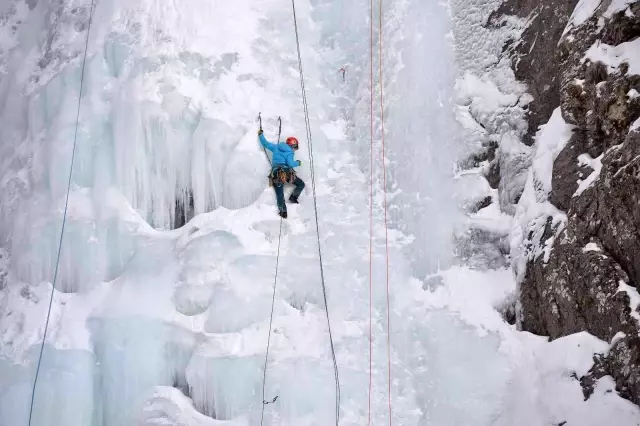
(64, 216)
(281, 176)
(273, 297)
(315, 208)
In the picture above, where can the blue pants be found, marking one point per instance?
(279, 188)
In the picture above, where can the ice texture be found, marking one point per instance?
(162, 306)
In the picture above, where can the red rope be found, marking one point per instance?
(371, 217)
(386, 232)
(386, 229)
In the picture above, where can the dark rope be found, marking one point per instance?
(64, 217)
(315, 207)
(273, 300)
(266, 357)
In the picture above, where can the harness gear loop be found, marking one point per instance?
(281, 176)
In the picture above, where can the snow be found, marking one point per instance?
(614, 56)
(591, 247)
(570, 355)
(582, 12)
(490, 101)
(474, 296)
(550, 140)
(615, 339)
(596, 165)
(474, 88)
(492, 219)
(534, 209)
(616, 6)
(158, 326)
(168, 406)
(634, 298)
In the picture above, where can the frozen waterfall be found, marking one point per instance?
(161, 309)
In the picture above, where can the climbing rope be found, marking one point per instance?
(273, 297)
(266, 357)
(64, 218)
(315, 207)
(371, 209)
(386, 229)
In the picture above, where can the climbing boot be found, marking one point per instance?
(293, 199)
(283, 215)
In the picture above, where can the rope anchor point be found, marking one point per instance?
(270, 402)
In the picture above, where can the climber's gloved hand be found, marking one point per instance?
(260, 132)
(299, 163)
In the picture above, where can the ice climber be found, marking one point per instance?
(282, 170)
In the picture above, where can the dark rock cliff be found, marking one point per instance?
(589, 279)
(534, 61)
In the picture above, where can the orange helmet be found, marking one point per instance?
(292, 142)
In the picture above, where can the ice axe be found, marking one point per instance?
(260, 124)
(279, 132)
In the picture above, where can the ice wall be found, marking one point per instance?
(166, 127)
(169, 108)
(156, 107)
(168, 327)
(166, 118)
(421, 135)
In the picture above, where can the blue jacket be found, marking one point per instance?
(282, 154)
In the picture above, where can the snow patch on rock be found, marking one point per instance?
(596, 165)
(614, 56)
(583, 11)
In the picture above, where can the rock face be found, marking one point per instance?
(535, 65)
(589, 279)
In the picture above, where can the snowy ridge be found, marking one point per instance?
(585, 9)
(534, 207)
(582, 12)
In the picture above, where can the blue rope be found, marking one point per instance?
(64, 217)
